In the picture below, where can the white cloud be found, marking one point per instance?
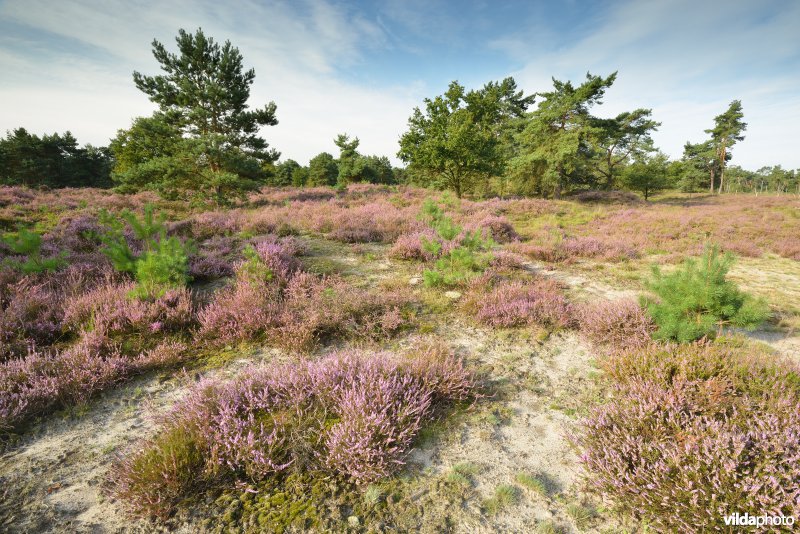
(294, 50)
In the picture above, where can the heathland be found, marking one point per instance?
(390, 358)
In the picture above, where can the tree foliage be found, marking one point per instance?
(727, 130)
(204, 141)
(53, 160)
(459, 137)
(618, 140)
(697, 300)
(647, 174)
(555, 144)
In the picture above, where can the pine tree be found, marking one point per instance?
(211, 142)
(697, 300)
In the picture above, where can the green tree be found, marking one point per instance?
(203, 94)
(554, 146)
(53, 160)
(377, 170)
(300, 177)
(647, 174)
(284, 172)
(618, 140)
(727, 130)
(697, 300)
(462, 136)
(697, 164)
(322, 170)
(349, 163)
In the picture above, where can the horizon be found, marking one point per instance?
(359, 68)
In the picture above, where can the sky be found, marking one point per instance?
(361, 67)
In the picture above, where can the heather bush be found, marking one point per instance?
(350, 414)
(499, 228)
(215, 224)
(271, 298)
(45, 381)
(109, 310)
(31, 315)
(617, 324)
(692, 433)
(533, 301)
(317, 309)
(696, 300)
(422, 246)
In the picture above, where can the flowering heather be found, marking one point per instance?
(44, 381)
(269, 221)
(618, 324)
(316, 309)
(376, 221)
(537, 301)
(694, 432)
(32, 315)
(744, 224)
(216, 223)
(500, 229)
(412, 246)
(351, 414)
(272, 297)
(109, 310)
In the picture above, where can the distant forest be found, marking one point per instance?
(204, 142)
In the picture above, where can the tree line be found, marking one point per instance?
(203, 142)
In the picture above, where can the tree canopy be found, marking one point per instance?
(212, 146)
(554, 146)
(53, 160)
(459, 137)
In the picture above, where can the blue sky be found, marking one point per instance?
(361, 67)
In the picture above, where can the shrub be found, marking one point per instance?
(457, 267)
(697, 300)
(691, 433)
(351, 414)
(538, 301)
(29, 245)
(618, 324)
(162, 264)
(154, 482)
(296, 309)
(108, 310)
(499, 228)
(420, 246)
(45, 381)
(162, 268)
(32, 315)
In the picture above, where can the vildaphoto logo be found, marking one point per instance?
(747, 520)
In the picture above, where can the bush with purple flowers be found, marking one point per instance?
(617, 324)
(530, 301)
(351, 414)
(692, 433)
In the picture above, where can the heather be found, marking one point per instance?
(272, 300)
(256, 300)
(45, 381)
(350, 414)
(691, 432)
(532, 301)
(616, 324)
